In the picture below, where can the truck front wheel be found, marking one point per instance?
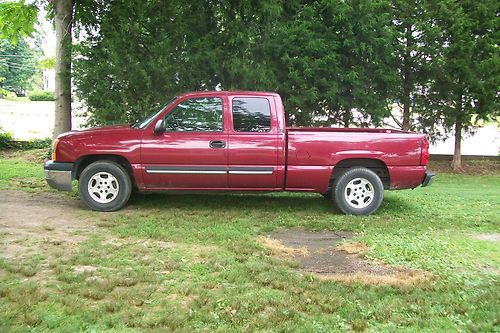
(358, 191)
(104, 186)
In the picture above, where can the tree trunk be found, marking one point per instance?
(456, 163)
(406, 115)
(407, 78)
(346, 117)
(64, 19)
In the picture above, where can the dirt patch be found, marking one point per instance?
(278, 249)
(330, 256)
(37, 222)
(494, 237)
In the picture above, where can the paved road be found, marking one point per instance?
(32, 120)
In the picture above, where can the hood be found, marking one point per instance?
(113, 129)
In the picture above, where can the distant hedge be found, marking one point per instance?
(42, 95)
(7, 142)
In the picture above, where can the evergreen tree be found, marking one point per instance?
(338, 58)
(417, 44)
(464, 89)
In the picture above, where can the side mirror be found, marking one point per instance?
(159, 127)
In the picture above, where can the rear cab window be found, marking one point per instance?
(251, 114)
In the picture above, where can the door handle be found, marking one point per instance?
(217, 144)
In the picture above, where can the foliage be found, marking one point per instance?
(17, 20)
(464, 88)
(123, 74)
(47, 63)
(4, 93)
(191, 263)
(467, 75)
(322, 68)
(41, 95)
(18, 65)
(7, 142)
(337, 60)
(418, 43)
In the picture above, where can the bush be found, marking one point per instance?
(6, 94)
(42, 95)
(8, 142)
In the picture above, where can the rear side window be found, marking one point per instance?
(196, 115)
(251, 114)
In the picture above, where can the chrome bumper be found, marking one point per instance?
(59, 175)
(429, 177)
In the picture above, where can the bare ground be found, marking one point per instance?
(330, 255)
(31, 222)
(41, 223)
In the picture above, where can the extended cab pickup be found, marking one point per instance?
(236, 141)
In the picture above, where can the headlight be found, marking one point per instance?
(54, 148)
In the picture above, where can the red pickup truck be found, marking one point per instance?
(236, 141)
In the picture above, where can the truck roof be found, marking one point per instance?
(227, 92)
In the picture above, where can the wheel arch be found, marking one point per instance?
(84, 161)
(374, 164)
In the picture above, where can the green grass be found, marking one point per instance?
(191, 263)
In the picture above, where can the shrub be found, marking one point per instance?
(6, 94)
(41, 95)
(6, 141)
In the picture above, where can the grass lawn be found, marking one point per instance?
(193, 263)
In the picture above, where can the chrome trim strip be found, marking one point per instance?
(210, 170)
(241, 172)
(213, 172)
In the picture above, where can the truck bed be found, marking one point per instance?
(313, 153)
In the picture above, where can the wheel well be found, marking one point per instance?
(85, 161)
(374, 165)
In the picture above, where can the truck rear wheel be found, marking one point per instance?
(104, 186)
(358, 191)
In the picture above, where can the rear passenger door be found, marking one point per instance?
(253, 143)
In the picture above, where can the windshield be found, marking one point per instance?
(149, 119)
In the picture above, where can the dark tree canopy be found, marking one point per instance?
(325, 59)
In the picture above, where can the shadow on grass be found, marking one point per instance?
(273, 202)
(210, 201)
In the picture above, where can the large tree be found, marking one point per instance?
(325, 59)
(464, 90)
(63, 18)
(138, 54)
(418, 41)
(339, 59)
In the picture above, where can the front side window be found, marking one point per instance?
(196, 115)
(251, 114)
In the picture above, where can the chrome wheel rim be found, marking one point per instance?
(359, 193)
(103, 187)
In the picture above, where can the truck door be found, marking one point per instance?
(192, 152)
(253, 143)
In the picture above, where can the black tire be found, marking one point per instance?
(362, 200)
(121, 185)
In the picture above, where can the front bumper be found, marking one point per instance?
(59, 175)
(429, 177)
